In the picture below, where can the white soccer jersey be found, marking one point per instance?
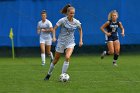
(67, 30)
(45, 36)
(46, 25)
(66, 36)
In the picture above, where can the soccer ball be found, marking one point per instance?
(64, 77)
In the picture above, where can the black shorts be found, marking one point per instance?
(112, 38)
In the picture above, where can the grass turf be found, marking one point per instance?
(88, 74)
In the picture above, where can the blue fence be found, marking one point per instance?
(23, 15)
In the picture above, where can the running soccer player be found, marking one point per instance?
(110, 28)
(45, 29)
(66, 41)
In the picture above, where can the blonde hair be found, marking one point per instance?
(110, 14)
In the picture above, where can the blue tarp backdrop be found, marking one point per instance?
(23, 16)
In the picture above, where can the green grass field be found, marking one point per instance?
(88, 74)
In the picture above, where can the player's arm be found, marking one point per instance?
(103, 28)
(38, 28)
(50, 29)
(81, 36)
(54, 33)
(122, 29)
(60, 21)
(47, 29)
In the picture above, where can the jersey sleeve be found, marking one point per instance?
(50, 24)
(60, 21)
(78, 23)
(38, 25)
(119, 23)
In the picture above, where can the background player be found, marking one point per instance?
(110, 28)
(45, 29)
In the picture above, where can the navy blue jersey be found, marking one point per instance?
(113, 29)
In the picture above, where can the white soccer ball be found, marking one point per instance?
(64, 77)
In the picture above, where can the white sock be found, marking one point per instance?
(43, 57)
(51, 55)
(105, 52)
(65, 67)
(51, 68)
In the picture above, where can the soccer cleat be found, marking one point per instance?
(47, 77)
(103, 54)
(43, 63)
(115, 64)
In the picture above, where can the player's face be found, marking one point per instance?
(114, 16)
(71, 13)
(43, 16)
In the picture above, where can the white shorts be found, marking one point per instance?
(46, 41)
(61, 47)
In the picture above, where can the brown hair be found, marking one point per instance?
(64, 9)
(43, 12)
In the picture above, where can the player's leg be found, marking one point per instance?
(117, 51)
(110, 49)
(69, 50)
(52, 65)
(59, 50)
(49, 53)
(67, 59)
(42, 47)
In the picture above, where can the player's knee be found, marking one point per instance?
(43, 52)
(117, 52)
(111, 52)
(57, 57)
(67, 57)
(48, 52)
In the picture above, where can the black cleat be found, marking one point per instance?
(47, 77)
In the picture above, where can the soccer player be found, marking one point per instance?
(110, 29)
(66, 40)
(45, 29)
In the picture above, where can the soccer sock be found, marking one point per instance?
(51, 69)
(115, 58)
(51, 55)
(43, 57)
(65, 67)
(106, 53)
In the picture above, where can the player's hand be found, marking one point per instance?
(43, 30)
(122, 34)
(38, 31)
(53, 39)
(80, 44)
(108, 34)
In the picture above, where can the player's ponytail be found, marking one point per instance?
(110, 14)
(65, 8)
